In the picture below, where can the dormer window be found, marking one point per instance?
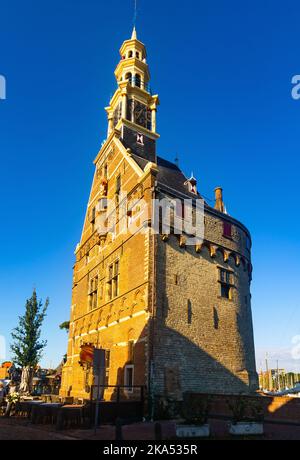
(192, 185)
(140, 139)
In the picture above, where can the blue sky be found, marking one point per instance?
(223, 71)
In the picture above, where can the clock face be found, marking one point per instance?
(140, 113)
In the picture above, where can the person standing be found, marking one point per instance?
(10, 403)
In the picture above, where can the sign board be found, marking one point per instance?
(99, 371)
(99, 361)
(86, 354)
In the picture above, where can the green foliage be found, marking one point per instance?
(238, 407)
(246, 410)
(65, 325)
(196, 408)
(257, 411)
(162, 410)
(27, 347)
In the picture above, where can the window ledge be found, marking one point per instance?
(224, 298)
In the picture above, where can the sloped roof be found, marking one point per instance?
(169, 175)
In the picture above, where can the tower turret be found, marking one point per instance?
(133, 108)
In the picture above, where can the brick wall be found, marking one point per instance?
(276, 408)
(203, 342)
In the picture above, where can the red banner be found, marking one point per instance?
(87, 354)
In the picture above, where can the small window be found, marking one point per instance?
(225, 291)
(92, 215)
(102, 204)
(227, 229)
(105, 171)
(137, 55)
(113, 281)
(93, 293)
(128, 378)
(130, 54)
(226, 283)
(118, 185)
(225, 276)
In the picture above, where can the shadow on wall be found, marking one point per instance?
(182, 366)
(195, 332)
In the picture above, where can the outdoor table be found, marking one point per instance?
(69, 413)
(26, 406)
(45, 411)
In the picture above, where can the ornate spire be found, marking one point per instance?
(133, 101)
(134, 34)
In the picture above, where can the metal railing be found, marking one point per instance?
(140, 84)
(117, 392)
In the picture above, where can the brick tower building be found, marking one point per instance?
(172, 316)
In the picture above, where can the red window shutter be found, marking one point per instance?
(227, 229)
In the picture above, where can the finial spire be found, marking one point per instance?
(134, 34)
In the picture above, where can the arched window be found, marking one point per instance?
(138, 80)
(137, 55)
(128, 76)
(130, 54)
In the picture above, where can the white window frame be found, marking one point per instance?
(128, 366)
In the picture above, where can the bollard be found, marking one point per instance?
(119, 434)
(158, 431)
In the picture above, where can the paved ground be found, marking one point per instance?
(17, 428)
(21, 429)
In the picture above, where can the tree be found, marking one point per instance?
(27, 347)
(65, 325)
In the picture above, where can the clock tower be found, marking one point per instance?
(173, 316)
(133, 108)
